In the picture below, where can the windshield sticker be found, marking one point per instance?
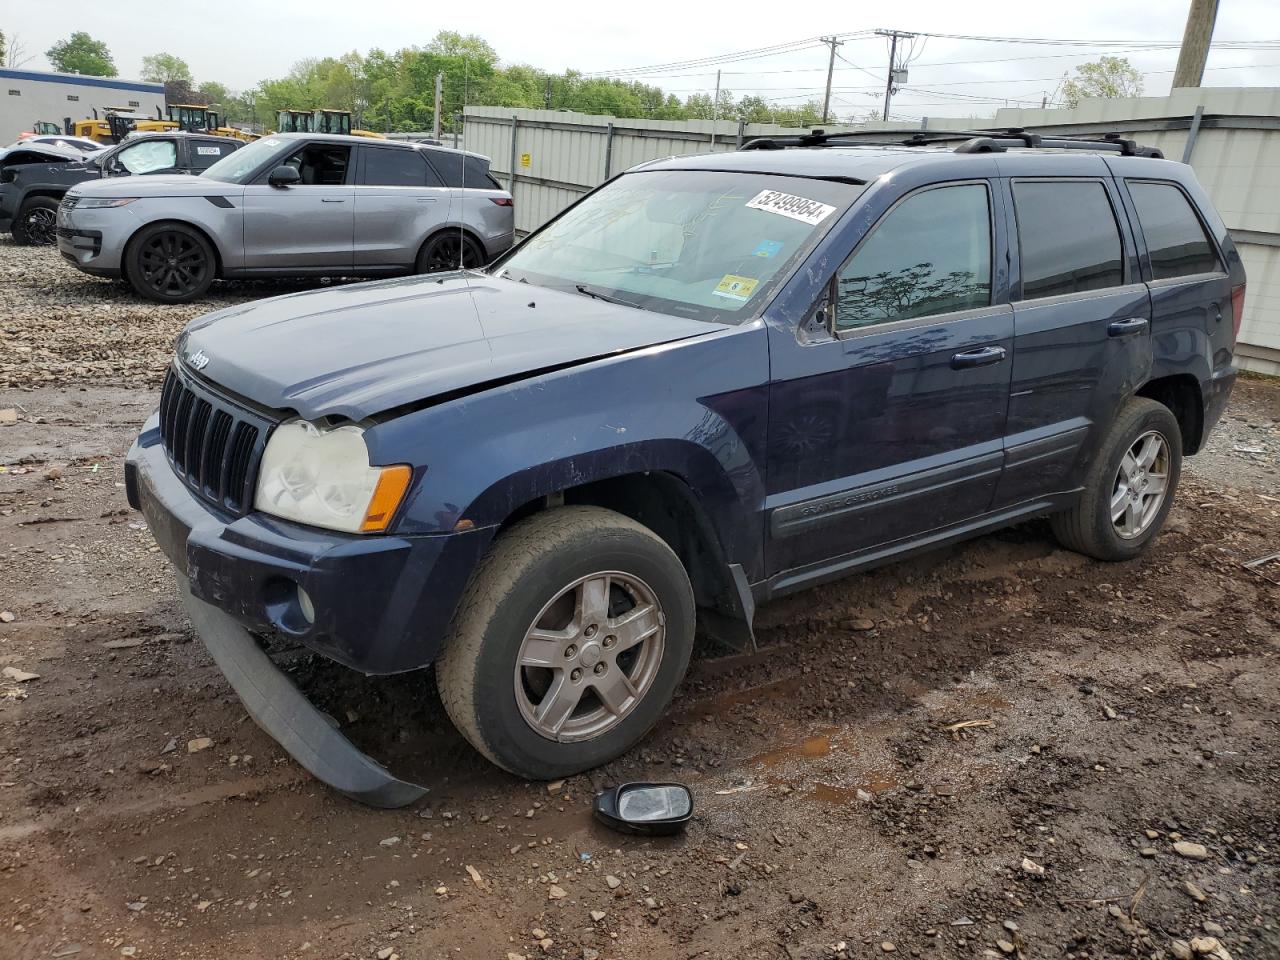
(797, 208)
(735, 287)
(767, 249)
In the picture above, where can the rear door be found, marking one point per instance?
(1190, 287)
(400, 201)
(309, 225)
(893, 426)
(479, 202)
(1082, 331)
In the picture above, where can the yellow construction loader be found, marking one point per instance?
(320, 121)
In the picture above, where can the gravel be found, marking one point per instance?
(58, 325)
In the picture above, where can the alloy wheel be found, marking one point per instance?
(451, 253)
(1141, 485)
(41, 225)
(173, 264)
(590, 656)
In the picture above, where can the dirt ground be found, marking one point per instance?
(990, 751)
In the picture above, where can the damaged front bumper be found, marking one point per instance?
(381, 604)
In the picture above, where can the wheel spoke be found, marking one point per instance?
(634, 627)
(1119, 502)
(1128, 466)
(1156, 484)
(593, 601)
(1150, 450)
(542, 652)
(615, 691)
(1133, 516)
(558, 703)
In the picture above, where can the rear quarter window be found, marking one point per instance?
(1177, 244)
(459, 170)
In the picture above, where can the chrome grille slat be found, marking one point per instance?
(211, 443)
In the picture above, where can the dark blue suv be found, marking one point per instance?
(712, 381)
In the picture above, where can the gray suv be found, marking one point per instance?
(290, 205)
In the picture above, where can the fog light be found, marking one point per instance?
(304, 604)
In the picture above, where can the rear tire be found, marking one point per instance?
(170, 263)
(1125, 502)
(449, 250)
(556, 589)
(36, 222)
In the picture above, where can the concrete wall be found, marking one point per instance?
(557, 156)
(30, 95)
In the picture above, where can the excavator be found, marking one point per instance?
(320, 121)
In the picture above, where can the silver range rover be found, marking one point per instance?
(290, 205)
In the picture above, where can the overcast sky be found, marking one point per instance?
(240, 42)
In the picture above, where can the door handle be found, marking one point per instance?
(426, 199)
(982, 357)
(1126, 328)
(332, 200)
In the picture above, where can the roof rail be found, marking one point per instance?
(974, 141)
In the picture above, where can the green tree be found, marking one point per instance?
(166, 68)
(80, 53)
(1108, 77)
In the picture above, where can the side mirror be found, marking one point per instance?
(284, 176)
(649, 809)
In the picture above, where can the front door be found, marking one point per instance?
(890, 422)
(310, 224)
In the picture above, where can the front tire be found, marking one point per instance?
(1129, 485)
(36, 222)
(170, 263)
(569, 642)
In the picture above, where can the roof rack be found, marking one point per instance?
(973, 141)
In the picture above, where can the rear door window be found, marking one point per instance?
(391, 167)
(205, 153)
(1176, 242)
(1068, 239)
(931, 254)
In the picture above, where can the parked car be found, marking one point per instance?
(30, 192)
(291, 205)
(82, 144)
(713, 381)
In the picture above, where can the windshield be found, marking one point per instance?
(239, 166)
(706, 244)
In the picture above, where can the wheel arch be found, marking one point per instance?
(453, 228)
(1181, 393)
(172, 222)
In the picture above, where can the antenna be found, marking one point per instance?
(462, 219)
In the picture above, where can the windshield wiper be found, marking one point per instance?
(586, 291)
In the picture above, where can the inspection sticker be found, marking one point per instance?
(797, 208)
(767, 249)
(735, 287)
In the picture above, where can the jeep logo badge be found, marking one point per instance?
(198, 360)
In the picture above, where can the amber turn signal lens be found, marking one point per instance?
(386, 498)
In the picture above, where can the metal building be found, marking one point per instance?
(30, 95)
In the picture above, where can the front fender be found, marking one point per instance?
(695, 409)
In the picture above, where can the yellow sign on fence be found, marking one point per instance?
(526, 159)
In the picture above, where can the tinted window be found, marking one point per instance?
(1176, 242)
(321, 164)
(931, 254)
(205, 153)
(396, 168)
(1068, 238)
(453, 167)
(149, 156)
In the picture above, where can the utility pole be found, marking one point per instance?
(435, 119)
(891, 81)
(831, 69)
(715, 110)
(1195, 43)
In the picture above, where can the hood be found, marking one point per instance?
(359, 350)
(157, 185)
